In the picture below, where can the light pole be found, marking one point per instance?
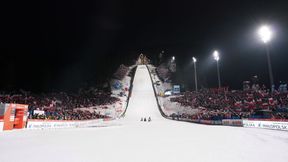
(216, 57)
(195, 73)
(265, 35)
(172, 64)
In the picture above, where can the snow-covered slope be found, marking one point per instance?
(133, 141)
(142, 101)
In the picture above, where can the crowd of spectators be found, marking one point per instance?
(65, 106)
(121, 72)
(235, 104)
(67, 114)
(61, 105)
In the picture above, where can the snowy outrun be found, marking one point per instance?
(130, 140)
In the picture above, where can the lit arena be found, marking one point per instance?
(129, 139)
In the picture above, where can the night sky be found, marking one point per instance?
(65, 45)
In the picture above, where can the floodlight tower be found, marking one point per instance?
(217, 58)
(265, 35)
(173, 58)
(195, 73)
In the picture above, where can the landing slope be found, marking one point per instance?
(142, 101)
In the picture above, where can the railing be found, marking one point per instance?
(130, 91)
(159, 107)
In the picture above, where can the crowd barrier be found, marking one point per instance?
(210, 122)
(248, 123)
(232, 122)
(200, 121)
(55, 124)
(275, 125)
(130, 91)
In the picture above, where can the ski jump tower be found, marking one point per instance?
(142, 60)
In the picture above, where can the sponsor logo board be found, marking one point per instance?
(232, 122)
(41, 124)
(275, 125)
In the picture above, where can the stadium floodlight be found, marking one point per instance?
(265, 33)
(173, 58)
(195, 73)
(217, 58)
(194, 59)
(216, 55)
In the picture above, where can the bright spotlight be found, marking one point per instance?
(173, 58)
(216, 55)
(265, 33)
(194, 59)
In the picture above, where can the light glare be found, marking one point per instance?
(265, 33)
(194, 59)
(216, 55)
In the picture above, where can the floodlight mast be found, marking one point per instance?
(217, 58)
(265, 34)
(195, 73)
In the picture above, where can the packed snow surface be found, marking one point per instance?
(132, 140)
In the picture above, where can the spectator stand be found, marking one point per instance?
(121, 88)
(214, 105)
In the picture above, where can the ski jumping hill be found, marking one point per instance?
(142, 102)
(135, 141)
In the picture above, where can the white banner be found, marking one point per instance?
(276, 125)
(39, 112)
(1, 126)
(54, 124)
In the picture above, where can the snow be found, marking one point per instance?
(142, 101)
(132, 140)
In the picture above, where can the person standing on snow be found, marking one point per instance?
(149, 119)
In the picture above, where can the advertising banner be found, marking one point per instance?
(232, 122)
(176, 89)
(206, 121)
(55, 124)
(217, 122)
(275, 125)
